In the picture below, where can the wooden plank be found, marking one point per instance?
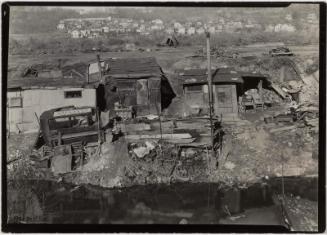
(181, 141)
(278, 90)
(158, 136)
(286, 128)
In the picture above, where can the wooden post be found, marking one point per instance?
(282, 74)
(88, 73)
(260, 89)
(99, 67)
(210, 92)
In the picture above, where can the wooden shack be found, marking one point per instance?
(225, 85)
(29, 97)
(229, 86)
(139, 82)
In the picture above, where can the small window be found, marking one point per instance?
(73, 94)
(15, 102)
(196, 88)
(222, 97)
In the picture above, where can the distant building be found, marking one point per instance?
(200, 30)
(219, 28)
(181, 30)
(311, 17)
(169, 30)
(105, 29)
(157, 21)
(61, 26)
(75, 34)
(284, 28)
(177, 25)
(212, 30)
(270, 28)
(289, 17)
(191, 31)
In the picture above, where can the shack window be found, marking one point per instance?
(195, 88)
(222, 97)
(73, 94)
(69, 122)
(15, 102)
(126, 85)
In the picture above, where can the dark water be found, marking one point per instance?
(52, 202)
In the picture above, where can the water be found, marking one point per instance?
(52, 202)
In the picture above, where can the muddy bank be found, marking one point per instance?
(178, 203)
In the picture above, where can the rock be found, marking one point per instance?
(229, 165)
(183, 221)
(141, 151)
(289, 144)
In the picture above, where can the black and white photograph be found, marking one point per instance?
(189, 113)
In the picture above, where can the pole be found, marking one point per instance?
(210, 92)
(99, 67)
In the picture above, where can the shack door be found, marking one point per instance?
(225, 99)
(142, 96)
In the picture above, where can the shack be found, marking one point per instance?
(29, 97)
(228, 88)
(170, 41)
(137, 83)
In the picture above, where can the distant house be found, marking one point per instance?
(190, 31)
(75, 34)
(212, 30)
(284, 28)
(61, 26)
(288, 17)
(177, 25)
(269, 28)
(169, 41)
(312, 17)
(169, 30)
(219, 28)
(105, 29)
(200, 30)
(157, 21)
(181, 30)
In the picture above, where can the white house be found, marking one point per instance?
(212, 30)
(169, 30)
(177, 25)
(181, 30)
(288, 17)
(284, 28)
(157, 21)
(200, 30)
(75, 34)
(61, 26)
(270, 28)
(191, 31)
(105, 29)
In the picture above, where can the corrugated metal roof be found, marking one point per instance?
(39, 82)
(222, 75)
